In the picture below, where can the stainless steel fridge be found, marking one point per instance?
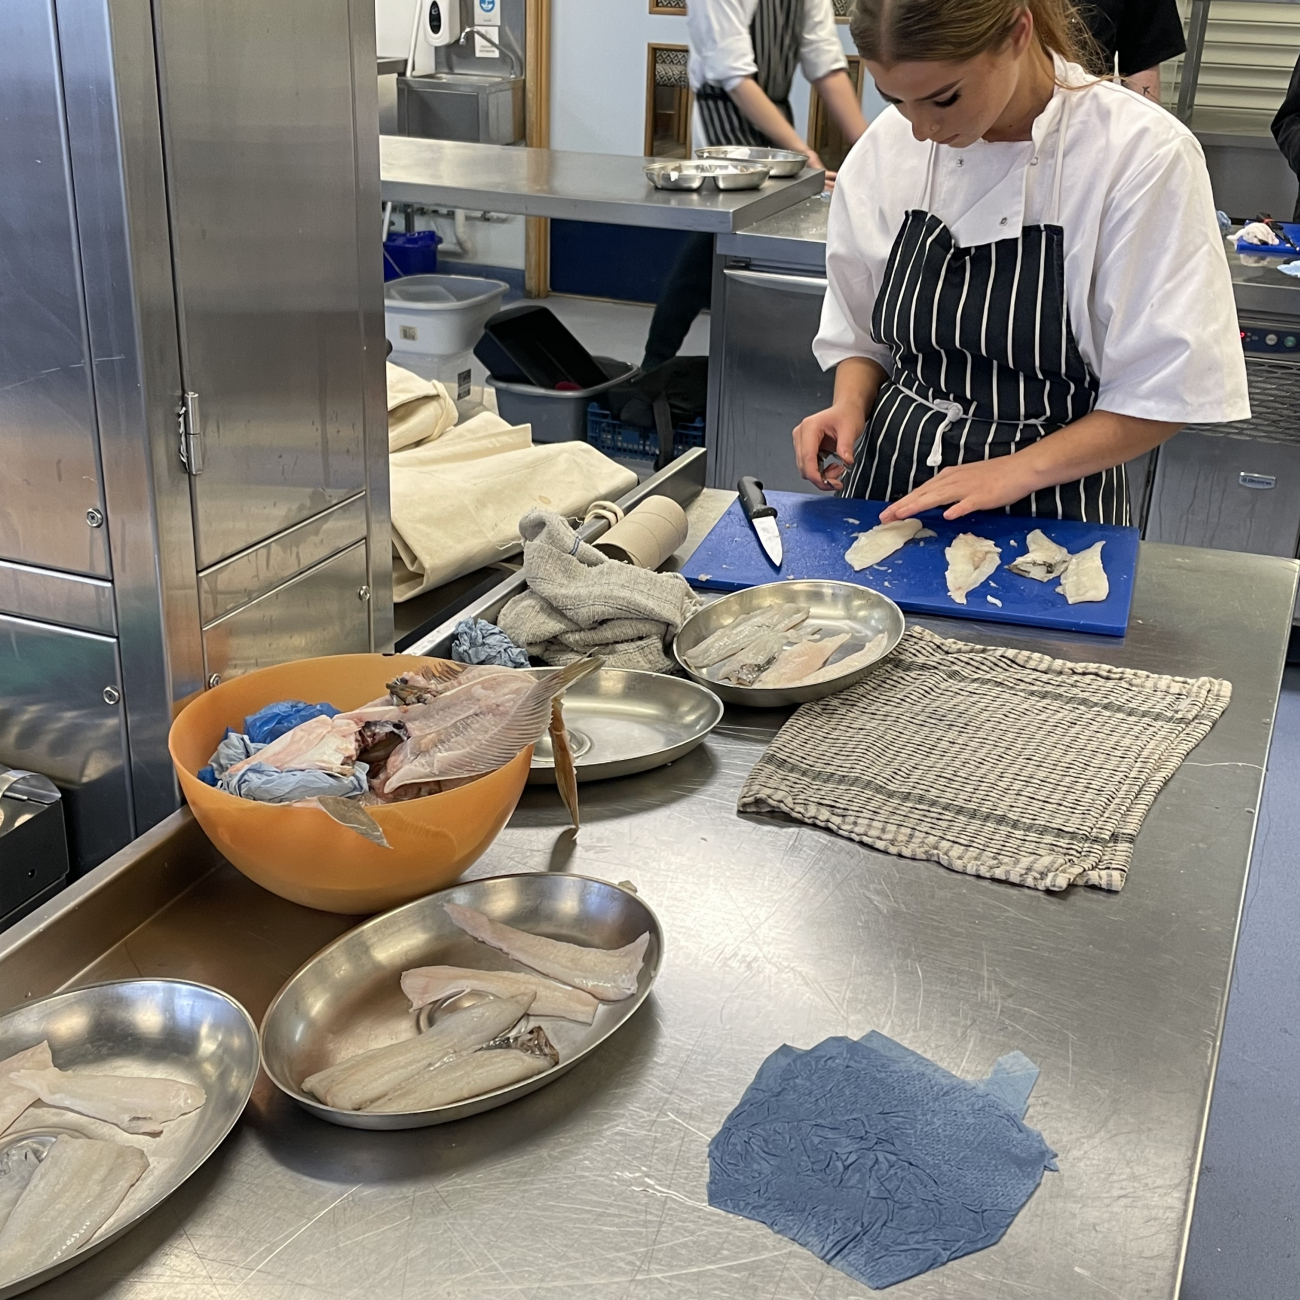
(193, 445)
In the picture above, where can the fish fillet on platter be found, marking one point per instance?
(1085, 579)
(881, 542)
(795, 665)
(1043, 558)
(741, 632)
(14, 1099)
(135, 1105)
(73, 1192)
(850, 663)
(368, 1076)
(17, 1165)
(609, 974)
(971, 559)
(745, 667)
(426, 984)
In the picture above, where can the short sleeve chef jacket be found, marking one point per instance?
(1143, 33)
(1146, 278)
(722, 51)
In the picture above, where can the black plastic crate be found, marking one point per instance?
(615, 438)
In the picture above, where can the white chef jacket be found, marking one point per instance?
(722, 52)
(1147, 285)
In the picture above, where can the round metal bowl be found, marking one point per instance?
(165, 1028)
(621, 721)
(740, 176)
(677, 175)
(783, 163)
(836, 606)
(348, 998)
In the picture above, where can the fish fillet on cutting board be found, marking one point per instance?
(880, 542)
(1043, 558)
(1085, 579)
(971, 559)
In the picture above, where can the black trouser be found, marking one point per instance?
(687, 291)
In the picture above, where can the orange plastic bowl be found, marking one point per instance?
(301, 853)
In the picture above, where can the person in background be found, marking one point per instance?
(1286, 129)
(742, 64)
(1136, 35)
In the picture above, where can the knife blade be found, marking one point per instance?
(762, 516)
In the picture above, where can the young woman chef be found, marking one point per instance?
(1027, 285)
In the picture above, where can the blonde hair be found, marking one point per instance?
(925, 31)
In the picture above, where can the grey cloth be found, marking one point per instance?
(266, 784)
(580, 601)
(477, 641)
(995, 762)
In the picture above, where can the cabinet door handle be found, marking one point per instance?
(1248, 480)
(810, 284)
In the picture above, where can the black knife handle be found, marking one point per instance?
(753, 500)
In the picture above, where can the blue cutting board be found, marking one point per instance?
(1274, 250)
(816, 531)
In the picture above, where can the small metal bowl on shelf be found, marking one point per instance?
(691, 174)
(833, 608)
(783, 163)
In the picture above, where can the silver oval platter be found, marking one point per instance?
(622, 721)
(151, 1027)
(348, 998)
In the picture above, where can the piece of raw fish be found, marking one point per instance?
(135, 1105)
(472, 1074)
(850, 663)
(425, 984)
(566, 770)
(1042, 560)
(744, 668)
(377, 740)
(794, 666)
(479, 724)
(971, 559)
(17, 1166)
(73, 1192)
(609, 974)
(361, 1079)
(740, 632)
(421, 685)
(881, 542)
(320, 744)
(1085, 579)
(13, 1099)
(350, 813)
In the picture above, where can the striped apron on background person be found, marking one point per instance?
(985, 362)
(775, 32)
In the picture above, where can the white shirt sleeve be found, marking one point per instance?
(1162, 300)
(820, 51)
(722, 52)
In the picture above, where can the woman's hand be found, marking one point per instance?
(835, 430)
(978, 485)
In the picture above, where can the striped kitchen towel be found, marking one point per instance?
(996, 762)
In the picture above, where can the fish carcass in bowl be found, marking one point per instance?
(304, 854)
(788, 642)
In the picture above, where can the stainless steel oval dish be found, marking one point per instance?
(784, 163)
(348, 997)
(622, 721)
(165, 1028)
(691, 174)
(740, 176)
(676, 176)
(835, 606)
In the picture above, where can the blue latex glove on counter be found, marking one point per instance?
(266, 784)
(476, 641)
(880, 1162)
(1290, 268)
(275, 720)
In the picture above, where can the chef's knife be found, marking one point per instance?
(762, 516)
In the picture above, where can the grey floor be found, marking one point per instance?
(1246, 1229)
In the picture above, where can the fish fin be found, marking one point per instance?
(349, 813)
(566, 774)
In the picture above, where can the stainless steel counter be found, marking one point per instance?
(795, 238)
(595, 1187)
(575, 186)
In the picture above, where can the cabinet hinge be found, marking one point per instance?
(191, 433)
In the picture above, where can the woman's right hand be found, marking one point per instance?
(834, 430)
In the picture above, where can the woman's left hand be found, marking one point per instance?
(978, 485)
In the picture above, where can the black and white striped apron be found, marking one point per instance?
(985, 362)
(775, 32)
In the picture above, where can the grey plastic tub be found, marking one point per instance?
(557, 417)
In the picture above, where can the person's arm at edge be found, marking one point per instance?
(753, 102)
(1145, 83)
(842, 100)
(837, 429)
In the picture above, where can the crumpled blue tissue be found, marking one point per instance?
(267, 784)
(234, 748)
(880, 1162)
(273, 721)
(1290, 268)
(476, 641)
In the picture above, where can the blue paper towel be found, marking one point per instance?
(880, 1162)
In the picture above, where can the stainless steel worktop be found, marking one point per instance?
(794, 238)
(610, 188)
(595, 1186)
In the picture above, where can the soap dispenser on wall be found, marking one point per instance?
(436, 22)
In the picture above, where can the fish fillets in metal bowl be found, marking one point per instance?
(854, 627)
(185, 1044)
(348, 999)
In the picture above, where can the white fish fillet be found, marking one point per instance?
(425, 984)
(850, 663)
(320, 744)
(1042, 560)
(881, 542)
(13, 1099)
(72, 1194)
(17, 1166)
(1085, 579)
(361, 1079)
(739, 633)
(798, 663)
(609, 974)
(743, 668)
(469, 1075)
(135, 1105)
(971, 559)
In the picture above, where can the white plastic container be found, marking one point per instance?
(435, 321)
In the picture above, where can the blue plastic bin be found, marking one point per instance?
(415, 254)
(633, 442)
